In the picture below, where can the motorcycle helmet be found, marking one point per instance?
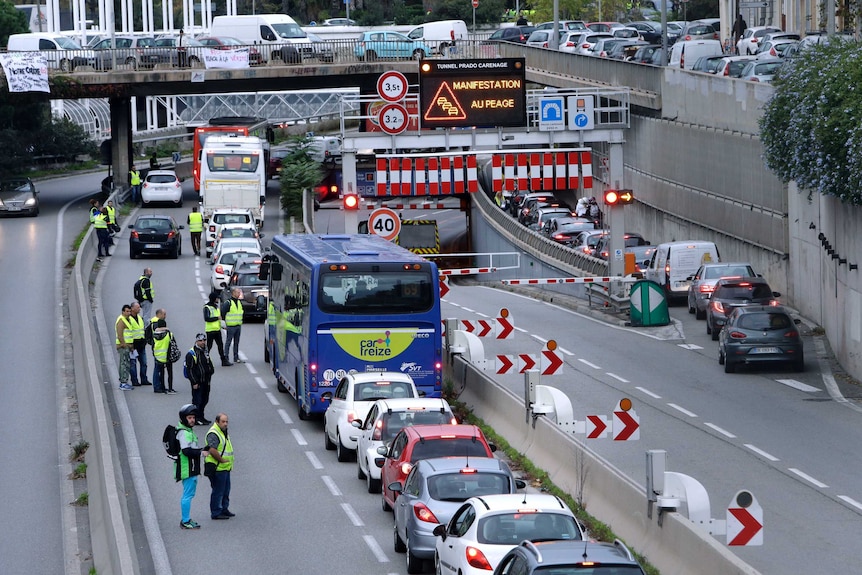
(186, 410)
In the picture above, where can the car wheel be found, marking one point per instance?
(303, 415)
(690, 307)
(266, 358)
(280, 386)
(720, 357)
(132, 254)
(438, 570)
(708, 327)
(729, 367)
(342, 453)
(327, 443)
(373, 485)
(418, 54)
(715, 333)
(384, 504)
(399, 545)
(370, 56)
(414, 564)
(699, 314)
(132, 62)
(359, 473)
(799, 365)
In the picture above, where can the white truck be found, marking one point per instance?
(233, 175)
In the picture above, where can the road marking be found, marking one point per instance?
(272, 399)
(592, 365)
(648, 392)
(798, 385)
(330, 484)
(565, 351)
(761, 452)
(285, 417)
(376, 549)
(851, 501)
(616, 377)
(260, 382)
(467, 309)
(480, 314)
(297, 435)
(829, 379)
(720, 430)
(682, 410)
(352, 515)
(689, 346)
(250, 367)
(522, 330)
(312, 458)
(808, 478)
(541, 339)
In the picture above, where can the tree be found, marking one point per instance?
(298, 172)
(12, 21)
(810, 127)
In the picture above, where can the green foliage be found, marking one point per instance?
(12, 21)
(298, 172)
(488, 11)
(810, 127)
(64, 139)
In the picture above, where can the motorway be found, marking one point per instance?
(298, 510)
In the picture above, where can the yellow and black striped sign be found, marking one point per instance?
(419, 236)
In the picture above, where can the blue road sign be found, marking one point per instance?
(552, 114)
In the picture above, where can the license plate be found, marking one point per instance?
(14, 209)
(765, 350)
(153, 246)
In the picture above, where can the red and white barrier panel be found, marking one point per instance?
(500, 328)
(546, 281)
(467, 271)
(406, 206)
(537, 171)
(550, 363)
(444, 286)
(420, 176)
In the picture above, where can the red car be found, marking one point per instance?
(229, 43)
(424, 442)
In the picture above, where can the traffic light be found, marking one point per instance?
(350, 202)
(618, 197)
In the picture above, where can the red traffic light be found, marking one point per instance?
(618, 197)
(350, 202)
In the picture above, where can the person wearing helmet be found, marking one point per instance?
(199, 370)
(188, 464)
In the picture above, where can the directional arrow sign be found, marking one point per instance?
(485, 328)
(744, 520)
(444, 286)
(526, 361)
(626, 425)
(596, 426)
(626, 196)
(552, 363)
(468, 326)
(505, 327)
(504, 364)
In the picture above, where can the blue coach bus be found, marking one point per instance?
(349, 303)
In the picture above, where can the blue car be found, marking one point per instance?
(380, 44)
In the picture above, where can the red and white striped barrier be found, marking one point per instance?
(426, 206)
(546, 281)
(466, 271)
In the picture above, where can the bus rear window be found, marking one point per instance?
(232, 162)
(376, 292)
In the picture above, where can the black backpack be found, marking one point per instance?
(171, 442)
(139, 290)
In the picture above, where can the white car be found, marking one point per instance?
(221, 217)
(234, 243)
(352, 399)
(748, 43)
(384, 420)
(589, 40)
(162, 186)
(485, 528)
(223, 264)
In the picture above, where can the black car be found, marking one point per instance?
(155, 234)
(18, 196)
(731, 293)
(567, 556)
(760, 334)
(517, 34)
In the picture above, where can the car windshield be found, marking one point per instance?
(231, 218)
(238, 233)
(374, 390)
(516, 526)
(764, 321)
(161, 179)
(375, 292)
(250, 280)
(588, 570)
(447, 447)
(230, 258)
(459, 487)
(745, 292)
(288, 30)
(14, 186)
(712, 273)
(392, 423)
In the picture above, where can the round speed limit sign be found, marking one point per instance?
(385, 223)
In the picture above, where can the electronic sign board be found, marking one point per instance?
(468, 93)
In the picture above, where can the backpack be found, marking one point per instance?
(148, 333)
(174, 354)
(171, 442)
(139, 291)
(185, 365)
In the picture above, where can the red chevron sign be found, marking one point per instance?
(596, 426)
(626, 425)
(552, 363)
(504, 364)
(505, 328)
(444, 286)
(745, 522)
(527, 362)
(480, 328)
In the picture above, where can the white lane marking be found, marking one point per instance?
(260, 382)
(798, 385)
(250, 367)
(285, 417)
(541, 339)
(297, 435)
(480, 314)
(592, 365)
(330, 484)
(616, 377)
(689, 346)
(312, 458)
(828, 379)
(352, 515)
(467, 309)
(198, 275)
(724, 432)
(808, 478)
(272, 398)
(565, 351)
(376, 549)
(682, 410)
(761, 452)
(851, 501)
(648, 392)
(522, 330)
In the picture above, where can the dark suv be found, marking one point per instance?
(592, 557)
(731, 293)
(255, 291)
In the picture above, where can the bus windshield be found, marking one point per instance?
(223, 162)
(375, 293)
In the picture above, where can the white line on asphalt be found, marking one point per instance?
(592, 365)
(522, 330)
(808, 478)
(297, 435)
(534, 336)
(285, 417)
(616, 377)
(720, 430)
(330, 484)
(689, 346)
(376, 549)
(829, 379)
(272, 399)
(798, 385)
(480, 314)
(565, 351)
(682, 410)
(851, 501)
(467, 309)
(761, 452)
(312, 458)
(197, 273)
(352, 515)
(250, 368)
(648, 392)
(260, 382)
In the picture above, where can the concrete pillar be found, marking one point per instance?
(121, 140)
(348, 186)
(615, 219)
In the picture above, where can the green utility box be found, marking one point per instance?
(648, 304)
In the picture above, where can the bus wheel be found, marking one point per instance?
(266, 352)
(280, 386)
(303, 415)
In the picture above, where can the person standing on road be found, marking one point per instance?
(95, 209)
(232, 312)
(738, 30)
(135, 182)
(196, 228)
(217, 466)
(212, 326)
(125, 339)
(113, 226)
(150, 336)
(100, 224)
(144, 293)
(139, 345)
(200, 369)
(187, 467)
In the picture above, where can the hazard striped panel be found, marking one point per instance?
(542, 171)
(497, 171)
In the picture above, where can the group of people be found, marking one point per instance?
(104, 220)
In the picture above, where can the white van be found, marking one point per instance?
(278, 35)
(440, 35)
(673, 262)
(684, 54)
(61, 52)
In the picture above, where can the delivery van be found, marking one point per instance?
(673, 262)
(277, 36)
(684, 54)
(440, 35)
(60, 52)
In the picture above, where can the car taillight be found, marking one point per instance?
(706, 288)
(477, 559)
(171, 234)
(212, 229)
(219, 269)
(774, 303)
(772, 52)
(737, 335)
(544, 44)
(178, 184)
(687, 38)
(792, 333)
(146, 184)
(717, 306)
(405, 468)
(570, 44)
(667, 269)
(754, 80)
(559, 237)
(424, 514)
(377, 434)
(727, 71)
(134, 234)
(585, 46)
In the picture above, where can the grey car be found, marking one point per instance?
(18, 197)
(760, 334)
(704, 279)
(730, 294)
(134, 51)
(593, 557)
(433, 491)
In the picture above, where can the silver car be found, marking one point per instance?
(702, 283)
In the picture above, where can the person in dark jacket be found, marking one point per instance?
(187, 467)
(200, 370)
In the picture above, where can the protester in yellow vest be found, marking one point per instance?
(125, 338)
(100, 223)
(135, 182)
(212, 326)
(196, 227)
(217, 466)
(232, 312)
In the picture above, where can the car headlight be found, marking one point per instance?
(30, 202)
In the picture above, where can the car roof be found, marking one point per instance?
(569, 551)
(371, 376)
(458, 430)
(455, 463)
(397, 404)
(507, 501)
(161, 173)
(736, 280)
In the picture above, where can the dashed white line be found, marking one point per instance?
(352, 515)
(689, 346)
(798, 385)
(272, 398)
(297, 435)
(312, 458)
(616, 377)
(808, 478)
(648, 392)
(330, 484)
(682, 410)
(522, 330)
(761, 452)
(480, 314)
(260, 382)
(376, 549)
(251, 369)
(565, 351)
(467, 309)
(592, 365)
(851, 501)
(534, 336)
(285, 417)
(724, 432)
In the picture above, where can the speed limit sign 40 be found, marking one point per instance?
(385, 223)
